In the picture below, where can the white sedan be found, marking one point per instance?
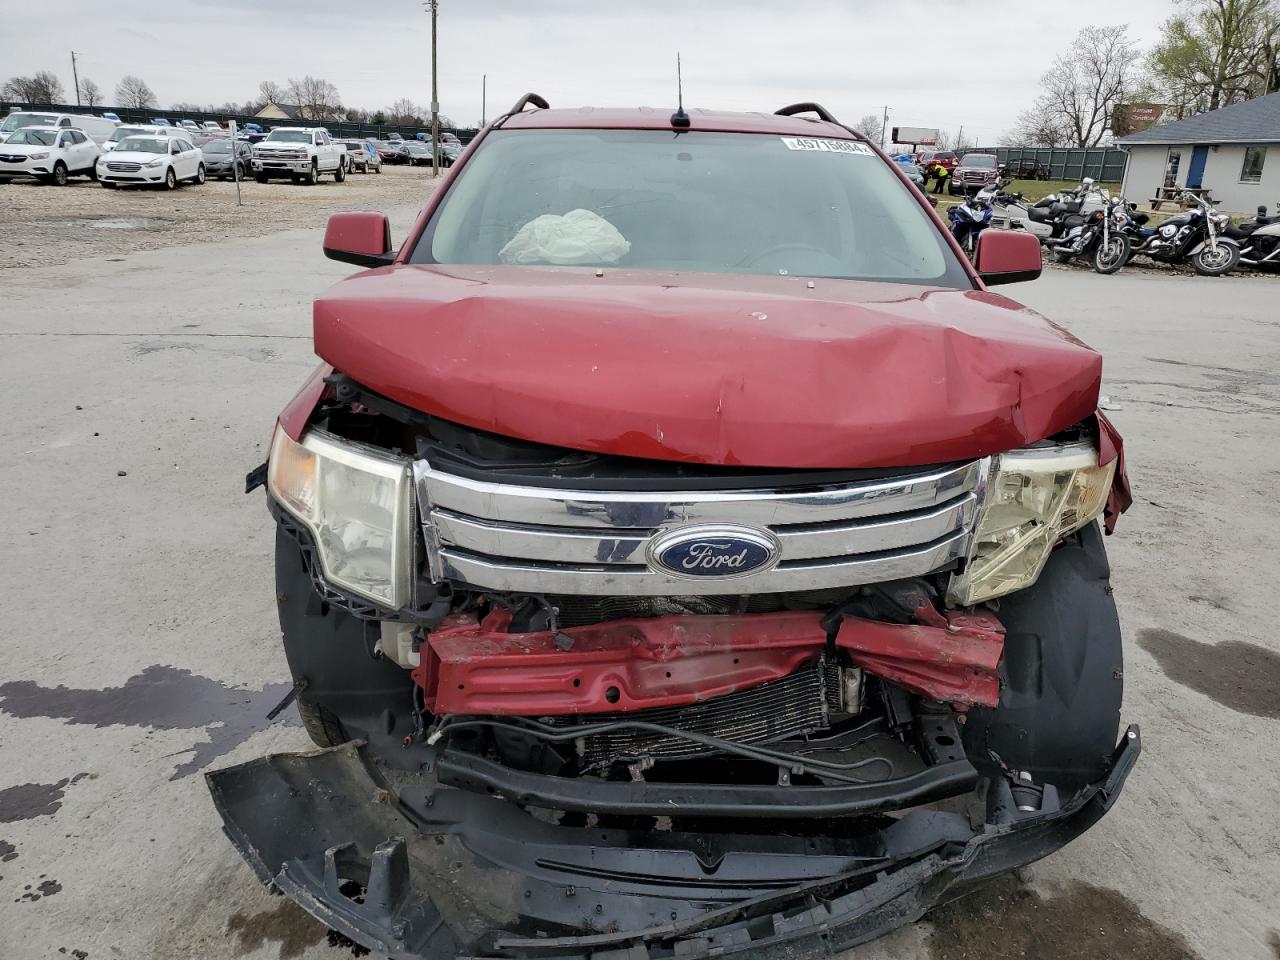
(143, 160)
(50, 154)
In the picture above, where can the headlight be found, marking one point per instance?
(1033, 498)
(40, 156)
(355, 501)
(155, 163)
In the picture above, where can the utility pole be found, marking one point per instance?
(883, 124)
(435, 96)
(75, 77)
(959, 140)
(484, 85)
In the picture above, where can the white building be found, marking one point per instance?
(1233, 152)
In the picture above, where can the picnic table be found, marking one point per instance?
(1174, 195)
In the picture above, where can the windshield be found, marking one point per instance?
(713, 202)
(143, 145)
(44, 138)
(217, 146)
(910, 169)
(15, 120)
(979, 160)
(119, 133)
(289, 136)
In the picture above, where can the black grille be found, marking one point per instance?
(575, 611)
(773, 711)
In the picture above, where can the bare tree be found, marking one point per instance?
(90, 93)
(42, 88)
(869, 127)
(1218, 52)
(1086, 83)
(956, 143)
(404, 111)
(270, 92)
(133, 92)
(315, 98)
(1038, 127)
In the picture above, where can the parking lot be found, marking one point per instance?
(46, 225)
(144, 365)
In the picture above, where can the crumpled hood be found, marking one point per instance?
(711, 368)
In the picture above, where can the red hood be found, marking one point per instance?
(758, 371)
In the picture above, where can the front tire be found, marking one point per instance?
(200, 176)
(1209, 262)
(1112, 255)
(340, 174)
(262, 178)
(324, 729)
(312, 175)
(170, 179)
(60, 174)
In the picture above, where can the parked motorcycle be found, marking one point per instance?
(1093, 236)
(1195, 235)
(1046, 219)
(970, 218)
(1259, 239)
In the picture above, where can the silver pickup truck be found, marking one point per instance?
(301, 153)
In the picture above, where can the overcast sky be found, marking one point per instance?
(944, 64)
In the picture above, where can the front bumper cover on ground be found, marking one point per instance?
(428, 872)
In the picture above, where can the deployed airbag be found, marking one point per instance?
(576, 238)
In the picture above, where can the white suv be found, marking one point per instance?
(148, 159)
(50, 154)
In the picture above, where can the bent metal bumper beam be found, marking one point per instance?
(427, 872)
(623, 665)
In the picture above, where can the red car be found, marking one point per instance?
(928, 159)
(638, 548)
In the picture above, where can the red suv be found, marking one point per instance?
(681, 552)
(931, 158)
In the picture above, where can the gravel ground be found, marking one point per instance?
(140, 645)
(45, 225)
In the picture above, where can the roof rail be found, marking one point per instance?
(527, 99)
(795, 108)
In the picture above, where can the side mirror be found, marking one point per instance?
(360, 238)
(1007, 256)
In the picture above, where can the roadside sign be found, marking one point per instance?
(918, 136)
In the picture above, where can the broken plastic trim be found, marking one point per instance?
(432, 873)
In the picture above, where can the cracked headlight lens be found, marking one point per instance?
(1034, 498)
(356, 503)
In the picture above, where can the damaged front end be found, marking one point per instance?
(583, 706)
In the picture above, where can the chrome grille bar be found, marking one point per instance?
(517, 538)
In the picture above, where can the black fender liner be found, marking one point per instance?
(1062, 676)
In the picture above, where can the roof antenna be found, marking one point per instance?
(679, 118)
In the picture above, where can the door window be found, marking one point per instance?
(1171, 170)
(1251, 170)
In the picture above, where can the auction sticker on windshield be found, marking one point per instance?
(827, 146)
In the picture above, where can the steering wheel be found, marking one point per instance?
(752, 260)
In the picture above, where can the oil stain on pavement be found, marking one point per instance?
(288, 925)
(1241, 676)
(7, 851)
(160, 697)
(28, 800)
(46, 888)
(1007, 921)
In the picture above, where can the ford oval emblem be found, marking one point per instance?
(714, 552)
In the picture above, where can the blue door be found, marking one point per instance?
(1195, 172)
